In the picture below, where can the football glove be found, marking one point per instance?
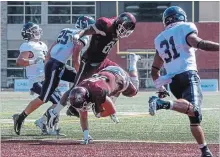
(162, 92)
(74, 37)
(162, 80)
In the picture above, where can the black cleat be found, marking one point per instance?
(206, 152)
(17, 124)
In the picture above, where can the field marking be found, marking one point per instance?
(10, 121)
(107, 141)
(121, 113)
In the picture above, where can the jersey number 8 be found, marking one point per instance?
(108, 47)
(167, 50)
(63, 37)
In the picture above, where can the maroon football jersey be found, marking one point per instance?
(108, 82)
(99, 86)
(100, 46)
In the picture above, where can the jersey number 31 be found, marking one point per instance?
(167, 50)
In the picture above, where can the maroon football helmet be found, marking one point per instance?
(125, 24)
(79, 97)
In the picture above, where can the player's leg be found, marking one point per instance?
(42, 122)
(19, 118)
(194, 95)
(132, 69)
(52, 71)
(190, 105)
(69, 74)
(52, 114)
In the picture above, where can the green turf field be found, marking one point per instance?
(135, 123)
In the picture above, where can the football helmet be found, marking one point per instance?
(125, 24)
(84, 21)
(30, 31)
(173, 14)
(79, 99)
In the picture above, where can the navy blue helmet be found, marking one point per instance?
(173, 14)
(84, 21)
(30, 31)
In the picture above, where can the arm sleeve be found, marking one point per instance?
(25, 47)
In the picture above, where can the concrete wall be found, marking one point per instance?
(143, 38)
(3, 43)
(209, 11)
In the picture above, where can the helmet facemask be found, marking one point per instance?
(122, 32)
(86, 106)
(35, 32)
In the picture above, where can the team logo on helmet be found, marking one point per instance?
(79, 99)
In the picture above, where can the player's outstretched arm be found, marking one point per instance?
(206, 45)
(159, 81)
(84, 120)
(76, 56)
(156, 66)
(22, 59)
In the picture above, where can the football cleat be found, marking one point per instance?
(134, 57)
(43, 127)
(153, 105)
(51, 118)
(206, 152)
(55, 132)
(17, 124)
(87, 141)
(114, 118)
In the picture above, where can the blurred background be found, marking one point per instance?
(52, 16)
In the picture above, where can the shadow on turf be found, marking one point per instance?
(40, 142)
(33, 136)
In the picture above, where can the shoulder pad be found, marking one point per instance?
(25, 47)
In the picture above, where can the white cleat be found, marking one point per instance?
(43, 127)
(153, 105)
(134, 57)
(54, 132)
(114, 118)
(87, 141)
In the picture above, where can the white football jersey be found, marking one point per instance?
(173, 48)
(63, 49)
(35, 72)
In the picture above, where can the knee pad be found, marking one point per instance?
(196, 119)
